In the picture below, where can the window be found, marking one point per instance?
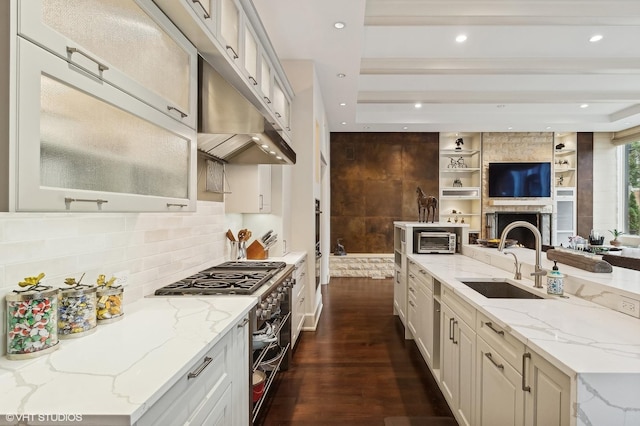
(632, 188)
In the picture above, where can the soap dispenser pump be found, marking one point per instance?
(555, 281)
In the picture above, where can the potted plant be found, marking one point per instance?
(616, 234)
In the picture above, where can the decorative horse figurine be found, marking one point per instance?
(427, 205)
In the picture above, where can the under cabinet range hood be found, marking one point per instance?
(231, 128)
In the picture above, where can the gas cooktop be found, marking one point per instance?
(234, 277)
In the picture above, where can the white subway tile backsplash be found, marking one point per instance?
(156, 249)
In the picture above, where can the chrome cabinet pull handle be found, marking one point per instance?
(253, 81)
(204, 11)
(72, 50)
(261, 202)
(524, 372)
(490, 325)
(451, 329)
(176, 205)
(68, 201)
(455, 342)
(267, 100)
(234, 54)
(278, 114)
(172, 108)
(499, 366)
(207, 361)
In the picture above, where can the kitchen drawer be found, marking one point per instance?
(185, 398)
(461, 308)
(422, 277)
(509, 348)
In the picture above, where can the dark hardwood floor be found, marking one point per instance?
(357, 368)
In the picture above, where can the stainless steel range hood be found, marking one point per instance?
(231, 128)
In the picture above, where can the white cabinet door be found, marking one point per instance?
(128, 43)
(229, 25)
(547, 401)
(266, 80)
(298, 307)
(280, 105)
(500, 400)
(425, 331)
(413, 316)
(458, 365)
(250, 188)
(87, 146)
(400, 295)
(250, 55)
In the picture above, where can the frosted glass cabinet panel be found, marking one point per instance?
(87, 146)
(128, 43)
(230, 27)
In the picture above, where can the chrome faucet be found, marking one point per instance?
(538, 273)
(518, 274)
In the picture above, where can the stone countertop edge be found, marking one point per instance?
(122, 368)
(578, 336)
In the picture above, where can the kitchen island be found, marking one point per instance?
(116, 375)
(596, 349)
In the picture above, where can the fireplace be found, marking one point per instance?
(497, 221)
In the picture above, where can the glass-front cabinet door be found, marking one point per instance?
(250, 56)
(86, 146)
(128, 43)
(230, 27)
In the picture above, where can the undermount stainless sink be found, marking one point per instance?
(498, 289)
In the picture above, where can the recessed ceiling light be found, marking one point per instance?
(265, 146)
(339, 25)
(278, 157)
(405, 128)
(272, 152)
(509, 128)
(418, 105)
(343, 123)
(584, 106)
(343, 104)
(341, 75)
(461, 38)
(548, 127)
(255, 138)
(596, 38)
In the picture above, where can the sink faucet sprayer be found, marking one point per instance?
(538, 272)
(517, 275)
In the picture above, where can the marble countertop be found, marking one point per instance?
(124, 367)
(576, 335)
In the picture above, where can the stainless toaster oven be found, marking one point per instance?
(434, 242)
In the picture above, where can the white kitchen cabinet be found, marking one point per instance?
(421, 287)
(299, 291)
(250, 187)
(250, 55)
(229, 28)
(400, 266)
(88, 146)
(266, 79)
(548, 398)
(457, 361)
(499, 396)
(213, 390)
(130, 44)
(281, 105)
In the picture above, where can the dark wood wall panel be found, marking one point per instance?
(373, 183)
(584, 184)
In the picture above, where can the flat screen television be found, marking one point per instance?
(520, 179)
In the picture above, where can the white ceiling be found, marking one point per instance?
(526, 65)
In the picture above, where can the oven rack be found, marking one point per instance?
(271, 375)
(264, 350)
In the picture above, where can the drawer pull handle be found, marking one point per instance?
(253, 81)
(524, 372)
(204, 11)
(498, 366)
(207, 361)
(490, 325)
(72, 50)
(176, 205)
(172, 108)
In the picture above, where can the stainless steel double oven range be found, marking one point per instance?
(270, 336)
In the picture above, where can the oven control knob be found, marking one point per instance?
(266, 314)
(265, 305)
(281, 297)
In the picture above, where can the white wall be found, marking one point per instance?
(156, 248)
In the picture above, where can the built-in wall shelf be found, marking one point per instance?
(563, 152)
(565, 170)
(460, 192)
(463, 153)
(528, 202)
(461, 170)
